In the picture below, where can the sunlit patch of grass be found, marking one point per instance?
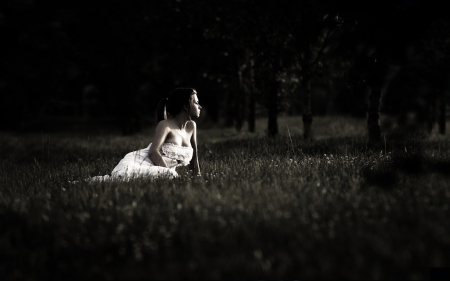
(263, 208)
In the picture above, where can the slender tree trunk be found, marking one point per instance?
(229, 121)
(239, 100)
(306, 91)
(373, 120)
(432, 107)
(306, 107)
(376, 86)
(242, 95)
(272, 126)
(251, 120)
(442, 113)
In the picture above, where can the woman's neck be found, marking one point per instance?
(181, 119)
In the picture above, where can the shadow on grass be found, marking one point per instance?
(407, 158)
(403, 164)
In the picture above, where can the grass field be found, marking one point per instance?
(281, 208)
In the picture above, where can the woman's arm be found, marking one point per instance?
(195, 168)
(160, 135)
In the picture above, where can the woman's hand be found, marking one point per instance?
(196, 173)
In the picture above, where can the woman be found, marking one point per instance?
(174, 142)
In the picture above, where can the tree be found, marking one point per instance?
(254, 37)
(436, 47)
(383, 36)
(317, 23)
(372, 40)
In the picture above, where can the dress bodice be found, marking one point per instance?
(181, 154)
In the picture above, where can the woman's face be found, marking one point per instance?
(195, 107)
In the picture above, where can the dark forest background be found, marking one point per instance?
(105, 64)
(356, 203)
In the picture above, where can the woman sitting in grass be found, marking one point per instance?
(174, 142)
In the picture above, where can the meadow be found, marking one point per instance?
(264, 208)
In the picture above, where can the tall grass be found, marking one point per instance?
(263, 208)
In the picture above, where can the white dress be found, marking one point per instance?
(137, 164)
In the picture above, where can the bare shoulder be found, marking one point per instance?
(163, 125)
(190, 126)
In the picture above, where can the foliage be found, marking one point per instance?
(115, 60)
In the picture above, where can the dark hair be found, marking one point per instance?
(174, 103)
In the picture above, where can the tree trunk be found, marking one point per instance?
(442, 113)
(272, 127)
(239, 100)
(251, 120)
(373, 120)
(307, 107)
(243, 92)
(251, 112)
(432, 108)
(229, 121)
(376, 82)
